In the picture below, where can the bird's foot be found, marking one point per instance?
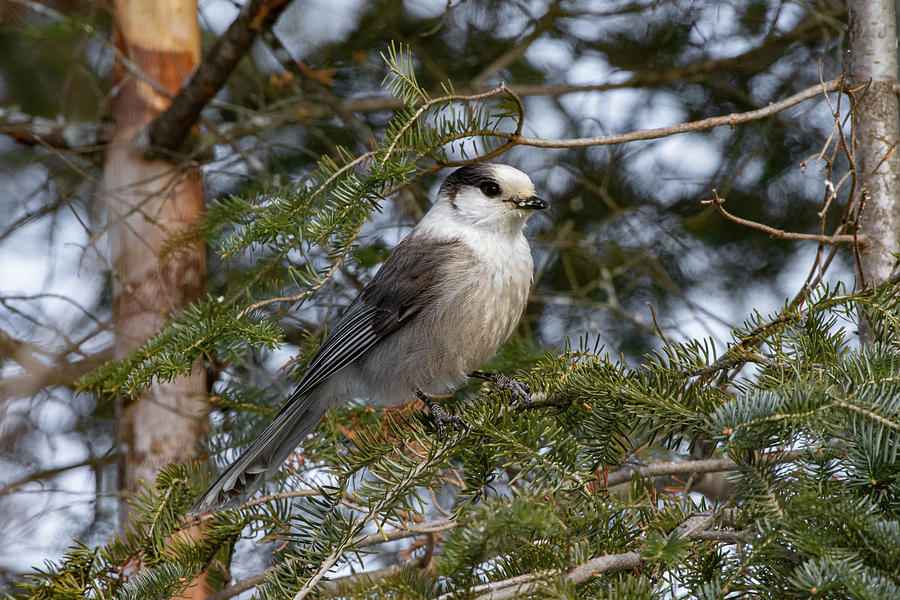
(439, 416)
(520, 391)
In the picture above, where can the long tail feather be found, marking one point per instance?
(264, 456)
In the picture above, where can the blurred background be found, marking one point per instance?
(627, 230)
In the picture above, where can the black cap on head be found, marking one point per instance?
(471, 175)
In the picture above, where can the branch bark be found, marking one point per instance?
(694, 528)
(93, 461)
(167, 132)
(30, 130)
(147, 201)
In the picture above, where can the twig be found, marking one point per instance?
(718, 202)
(756, 338)
(61, 135)
(517, 50)
(656, 325)
(389, 572)
(728, 537)
(412, 530)
(101, 38)
(241, 585)
(93, 461)
(426, 105)
(868, 413)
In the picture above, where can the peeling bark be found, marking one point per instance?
(168, 131)
(876, 129)
(146, 201)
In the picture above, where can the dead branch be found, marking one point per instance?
(30, 130)
(719, 202)
(93, 461)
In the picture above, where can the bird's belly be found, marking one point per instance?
(449, 339)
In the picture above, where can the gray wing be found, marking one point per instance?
(408, 281)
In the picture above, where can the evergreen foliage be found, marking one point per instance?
(530, 500)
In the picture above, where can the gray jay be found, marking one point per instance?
(441, 304)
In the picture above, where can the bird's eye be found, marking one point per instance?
(490, 188)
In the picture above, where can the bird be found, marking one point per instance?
(440, 305)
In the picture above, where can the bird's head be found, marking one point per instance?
(495, 196)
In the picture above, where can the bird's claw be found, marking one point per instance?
(521, 391)
(440, 417)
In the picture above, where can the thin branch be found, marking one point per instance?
(58, 373)
(389, 572)
(240, 586)
(61, 135)
(92, 461)
(868, 414)
(731, 120)
(719, 204)
(101, 38)
(167, 132)
(727, 537)
(383, 103)
(398, 533)
(517, 50)
(756, 337)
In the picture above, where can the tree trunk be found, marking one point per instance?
(876, 127)
(146, 201)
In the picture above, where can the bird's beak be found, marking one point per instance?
(533, 203)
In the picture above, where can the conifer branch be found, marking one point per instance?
(693, 528)
(388, 496)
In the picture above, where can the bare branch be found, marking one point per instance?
(709, 465)
(719, 204)
(521, 585)
(650, 134)
(57, 373)
(31, 130)
(240, 586)
(167, 132)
